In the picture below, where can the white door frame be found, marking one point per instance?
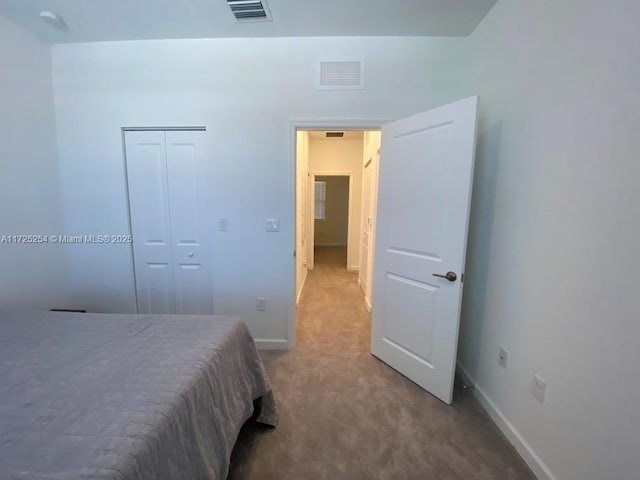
(320, 123)
(312, 203)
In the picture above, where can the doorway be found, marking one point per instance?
(334, 203)
(424, 196)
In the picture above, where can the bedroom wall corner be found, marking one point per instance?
(553, 271)
(33, 275)
(101, 87)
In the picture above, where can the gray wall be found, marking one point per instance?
(553, 270)
(246, 92)
(31, 275)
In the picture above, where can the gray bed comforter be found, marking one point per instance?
(96, 396)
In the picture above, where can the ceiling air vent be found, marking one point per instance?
(334, 134)
(250, 10)
(341, 75)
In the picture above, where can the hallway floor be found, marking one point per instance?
(346, 415)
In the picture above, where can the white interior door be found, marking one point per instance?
(166, 177)
(426, 168)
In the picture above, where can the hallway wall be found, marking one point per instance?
(342, 156)
(302, 209)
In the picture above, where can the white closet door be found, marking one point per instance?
(186, 171)
(150, 223)
(167, 179)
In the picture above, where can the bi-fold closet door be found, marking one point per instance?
(168, 200)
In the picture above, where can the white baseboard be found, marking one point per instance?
(271, 344)
(539, 468)
(367, 304)
(464, 375)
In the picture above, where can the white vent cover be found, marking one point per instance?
(340, 75)
(250, 10)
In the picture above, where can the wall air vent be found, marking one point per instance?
(340, 75)
(334, 134)
(250, 10)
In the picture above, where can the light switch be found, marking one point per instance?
(273, 224)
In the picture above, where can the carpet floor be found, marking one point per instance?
(346, 415)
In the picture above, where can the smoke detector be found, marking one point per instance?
(53, 19)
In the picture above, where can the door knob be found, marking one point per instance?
(451, 276)
(190, 254)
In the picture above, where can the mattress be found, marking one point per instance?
(108, 396)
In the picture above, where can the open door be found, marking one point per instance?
(426, 171)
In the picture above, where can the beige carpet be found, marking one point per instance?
(346, 415)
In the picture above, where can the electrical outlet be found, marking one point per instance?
(502, 358)
(273, 225)
(261, 304)
(538, 388)
(223, 224)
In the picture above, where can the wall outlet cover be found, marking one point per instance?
(273, 224)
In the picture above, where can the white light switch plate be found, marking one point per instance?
(261, 304)
(538, 388)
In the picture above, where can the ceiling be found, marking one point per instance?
(108, 20)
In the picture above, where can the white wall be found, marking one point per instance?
(302, 209)
(553, 270)
(340, 156)
(30, 275)
(246, 92)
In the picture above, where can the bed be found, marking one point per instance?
(129, 397)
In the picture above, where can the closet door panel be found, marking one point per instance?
(150, 221)
(190, 228)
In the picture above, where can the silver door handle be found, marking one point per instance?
(451, 276)
(190, 254)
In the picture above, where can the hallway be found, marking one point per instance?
(346, 415)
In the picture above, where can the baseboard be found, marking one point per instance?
(301, 287)
(531, 458)
(269, 344)
(464, 376)
(367, 304)
(353, 268)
